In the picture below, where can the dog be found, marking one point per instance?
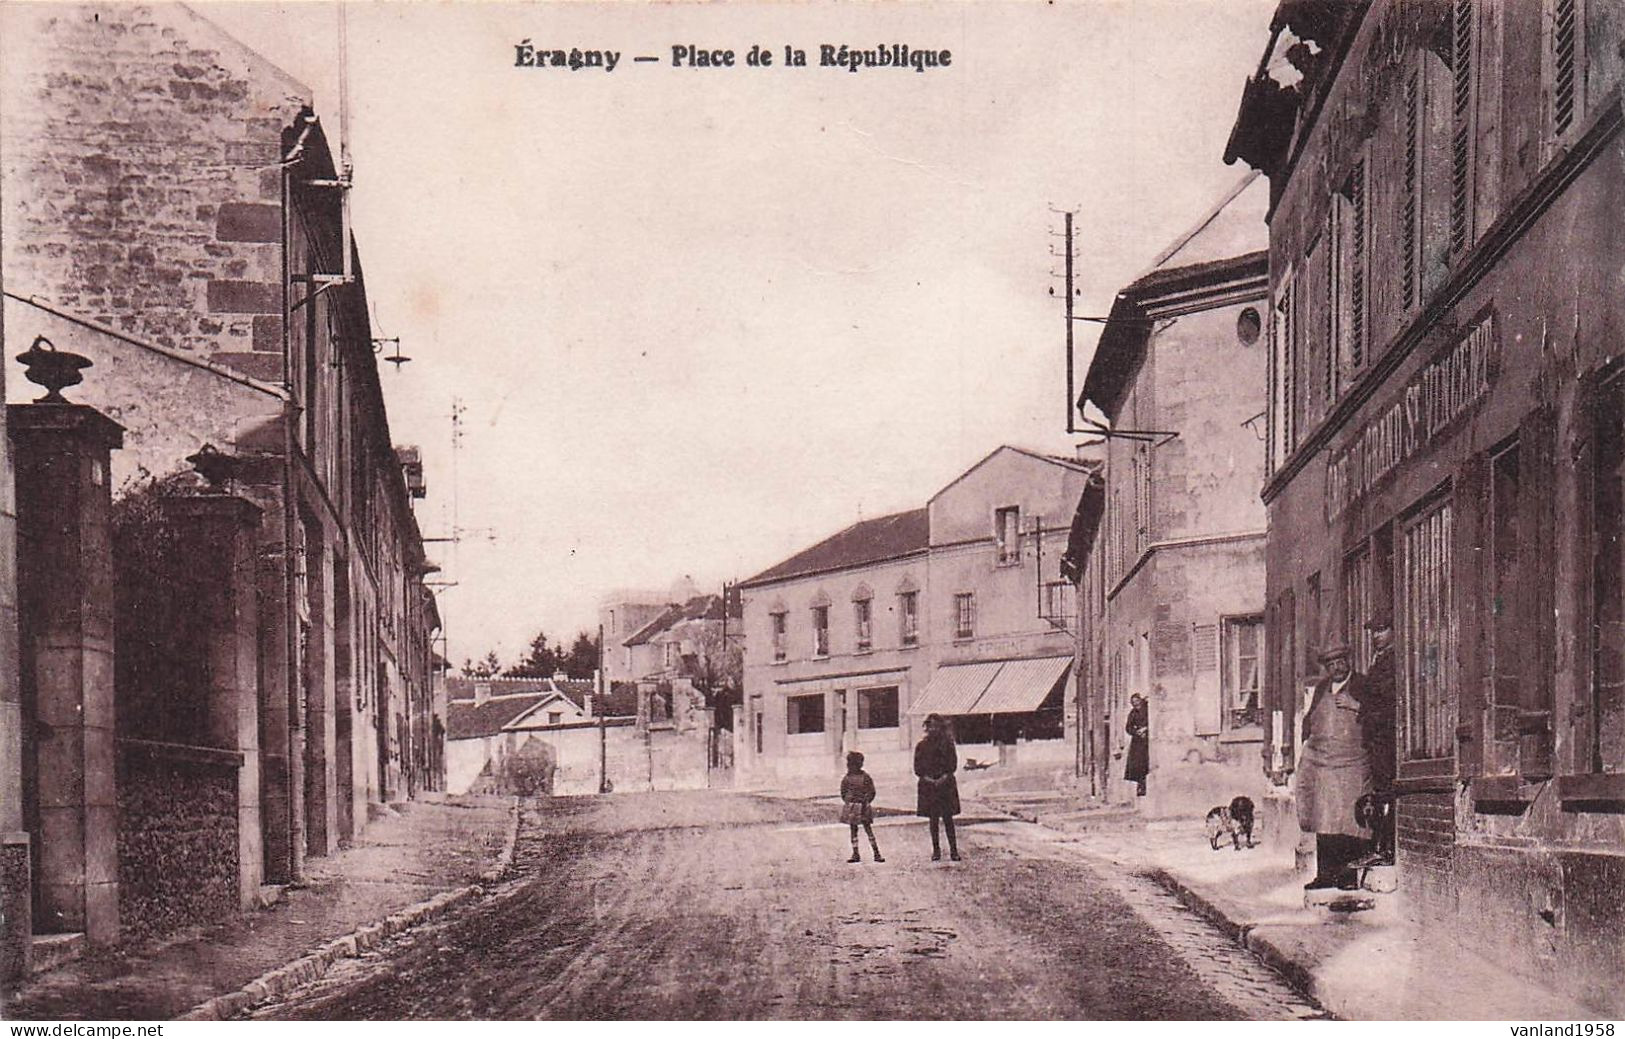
(1234, 819)
(1375, 812)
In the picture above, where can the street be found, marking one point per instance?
(720, 905)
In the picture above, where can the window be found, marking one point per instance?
(820, 631)
(1506, 632)
(965, 615)
(555, 717)
(860, 617)
(1410, 214)
(1007, 532)
(908, 612)
(1428, 632)
(1243, 646)
(781, 625)
(804, 714)
(1606, 735)
(670, 654)
(1565, 79)
(877, 708)
(1351, 272)
(1283, 365)
(1463, 128)
(1056, 602)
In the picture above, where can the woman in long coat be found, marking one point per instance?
(935, 762)
(1139, 744)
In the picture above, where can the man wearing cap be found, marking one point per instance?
(1377, 701)
(1333, 771)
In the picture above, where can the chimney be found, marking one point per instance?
(586, 704)
(482, 692)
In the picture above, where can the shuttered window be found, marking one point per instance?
(1410, 217)
(1565, 65)
(1464, 76)
(1356, 265)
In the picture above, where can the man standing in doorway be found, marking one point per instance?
(1333, 772)
(1377, 701)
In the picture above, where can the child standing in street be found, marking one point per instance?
(857, 804)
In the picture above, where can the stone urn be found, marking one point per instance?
(54, 369)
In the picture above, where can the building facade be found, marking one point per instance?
(174, 213)
(1174, 591)
(957, 608)
(1445, 439)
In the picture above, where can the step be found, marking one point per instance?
(51, 951)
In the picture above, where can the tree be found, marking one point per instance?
(489, 667)
(582, 659)
(717, 665)
(543, 661)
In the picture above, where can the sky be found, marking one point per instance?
(697, 319)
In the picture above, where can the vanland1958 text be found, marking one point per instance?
(692, 56)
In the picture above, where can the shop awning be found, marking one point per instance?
(991, 686)
(1021, 685)
(955, 688)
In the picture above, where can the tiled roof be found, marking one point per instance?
(466, 720)
(701, 607)
(867, 541)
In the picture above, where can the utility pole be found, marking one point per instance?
(1071, 293)
(603, 732)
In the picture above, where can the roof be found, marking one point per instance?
(1272, 111)
(467, 720)
(1077, 465)
(1230, 243)
(866, 541)
(700, 608)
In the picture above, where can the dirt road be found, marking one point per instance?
(720, 905)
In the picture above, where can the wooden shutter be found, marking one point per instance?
(1565, 66)
(1463, 74)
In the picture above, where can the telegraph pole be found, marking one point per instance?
(1070, 290)
(603, 732)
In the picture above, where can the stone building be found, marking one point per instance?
(1173, 596)
(957, 608)
(173, 212)
(1446, 450)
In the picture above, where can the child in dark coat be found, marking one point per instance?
(857, 804)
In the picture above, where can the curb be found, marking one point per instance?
(1296, 973)
(314, 964)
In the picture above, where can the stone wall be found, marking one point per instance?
(177, 842)
(142, 185)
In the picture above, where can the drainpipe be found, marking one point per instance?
(296, 749)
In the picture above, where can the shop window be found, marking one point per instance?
(1607, 713)
(1243, 646)
(820, 615)
(965, 615)
(1505, 615)
(861, 618)
(781, 626)
(1429, 634)
(1007, 534)
(908, 612)
(804, 714)
(877, 708)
